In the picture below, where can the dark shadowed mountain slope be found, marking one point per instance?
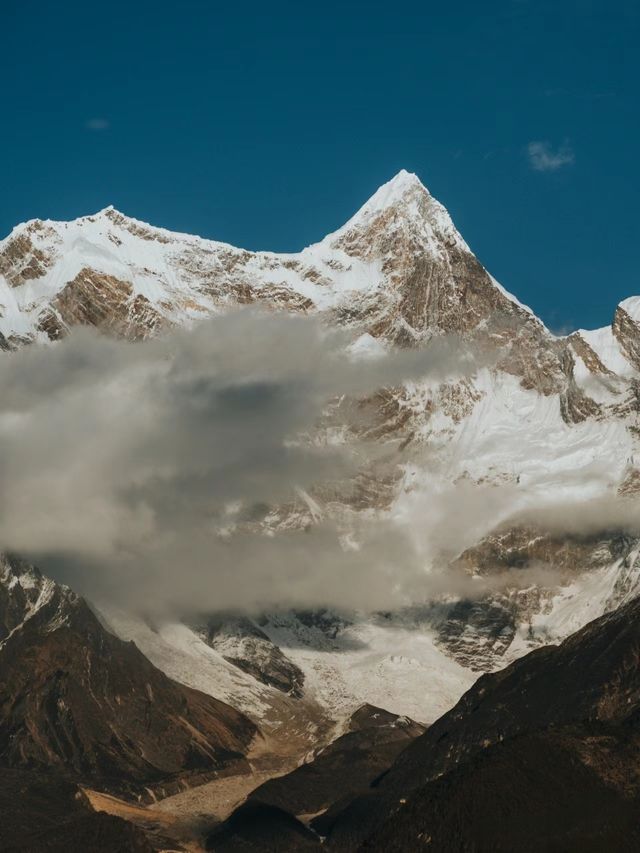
(591, 679)
(44, 813)
(542, 756)
(76, 698)
(373, 739)
(267, 821)
(573, 788)
(260, 828)
(592, 675)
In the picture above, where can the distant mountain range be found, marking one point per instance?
(554, 421)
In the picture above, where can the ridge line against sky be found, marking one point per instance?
(269, 128)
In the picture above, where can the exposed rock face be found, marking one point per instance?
(21, 261)
(102, 301)
(519, 547)
(76, 698)
(575, 405)
(21, 591)
(588, 355)
(433, 282)
(480, 633)
(243, 644)
(627, 333)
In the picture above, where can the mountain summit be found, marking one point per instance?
(397, 267)
(402, 187)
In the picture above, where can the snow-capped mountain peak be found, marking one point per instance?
(398, 272)
(403, 203)
(399, 188)
(125, 276)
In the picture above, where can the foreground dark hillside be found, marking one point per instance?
(573, 788)
(536, 715)
(44, 813)
(76, 699)
(373, 739)
(542, 756)
(340, 771)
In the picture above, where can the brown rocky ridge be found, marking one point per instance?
(76, 699)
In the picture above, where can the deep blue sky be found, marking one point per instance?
(268, 124)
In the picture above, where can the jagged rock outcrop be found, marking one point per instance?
(480, 633)
(104, 302)
(627, 331)
(241, 642)
(21, 261)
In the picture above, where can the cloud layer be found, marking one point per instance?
(123, 465)
(120, 463)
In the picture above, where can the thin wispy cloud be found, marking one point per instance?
(97, 124)
(544, 158)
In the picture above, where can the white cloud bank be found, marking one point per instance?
(119, 462)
